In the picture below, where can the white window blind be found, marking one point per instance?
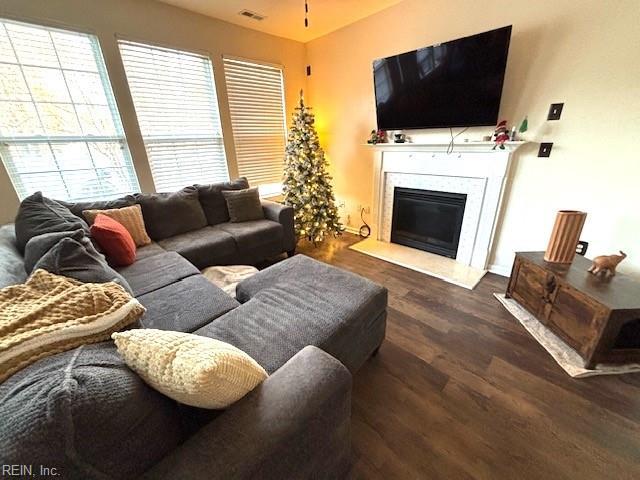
(60, 131)
(175, 100)
(256, 103)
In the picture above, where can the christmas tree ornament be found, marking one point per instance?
(307, 184)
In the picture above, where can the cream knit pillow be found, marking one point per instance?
(191, 369)
(129, 217)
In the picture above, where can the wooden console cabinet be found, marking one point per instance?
(599, 318)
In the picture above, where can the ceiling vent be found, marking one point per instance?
(253, 15)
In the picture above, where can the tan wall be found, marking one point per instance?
(585, 53)
(155, 22)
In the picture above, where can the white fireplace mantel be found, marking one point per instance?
(473, 168)
(442, 146)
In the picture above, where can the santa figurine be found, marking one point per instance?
(500, 135)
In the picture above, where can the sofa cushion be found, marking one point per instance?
(87, 414)
(213, 202)
(12, 271)
(173, 307)
(156, 271)
(149, 250)
(301, 302)
(79, 260)
(243, 205)
(204, 247)
(78, 207)
(38, 246)
(169, 214)
(38, 214)
(114, 239)
(253, 234)
(191, 369)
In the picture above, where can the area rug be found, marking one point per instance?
(564, 355)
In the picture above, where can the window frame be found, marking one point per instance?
(119, 138)
(267, 190)
(187, 50)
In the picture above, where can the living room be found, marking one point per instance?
(294, 330)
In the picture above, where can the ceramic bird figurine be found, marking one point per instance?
(606, 264)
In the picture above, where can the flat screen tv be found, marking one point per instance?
(452, 84)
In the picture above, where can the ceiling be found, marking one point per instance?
(285, 18)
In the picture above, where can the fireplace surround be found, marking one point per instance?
(474, 170)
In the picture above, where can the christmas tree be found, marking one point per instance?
(307, 185)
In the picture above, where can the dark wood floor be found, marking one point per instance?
(460, 390)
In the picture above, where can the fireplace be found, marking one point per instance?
(428, 220)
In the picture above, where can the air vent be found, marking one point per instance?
(253, 15)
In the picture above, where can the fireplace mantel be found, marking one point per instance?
(473, 168)
(441, 146)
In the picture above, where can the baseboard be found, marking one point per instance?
(503, 270)
(355, 231)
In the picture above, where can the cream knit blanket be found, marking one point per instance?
(50, 314)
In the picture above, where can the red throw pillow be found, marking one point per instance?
(115, 240)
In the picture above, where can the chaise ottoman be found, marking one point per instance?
(300, 302)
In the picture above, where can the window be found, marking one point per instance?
(60, 131)
(256, 103)
(175, 100)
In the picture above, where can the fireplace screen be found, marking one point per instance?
(428, 220)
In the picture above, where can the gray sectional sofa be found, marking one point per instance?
(308, 324)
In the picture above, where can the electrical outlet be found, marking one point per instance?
(367, 210)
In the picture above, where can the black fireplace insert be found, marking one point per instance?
(428, 220)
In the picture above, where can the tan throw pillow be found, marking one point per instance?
(129, 217)
(190, 369)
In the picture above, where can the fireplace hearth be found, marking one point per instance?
(428, 220)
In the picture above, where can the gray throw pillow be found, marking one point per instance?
(243, 205)
(213, 202)
(38, 246)
(169, 214)
(38, 214)
(80, 260)
(12, 270)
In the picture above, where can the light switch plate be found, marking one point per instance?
(545, 149)
(555, 110)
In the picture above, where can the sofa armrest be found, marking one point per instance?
(296, 424)
(282, 214)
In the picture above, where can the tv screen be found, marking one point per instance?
(453, 84)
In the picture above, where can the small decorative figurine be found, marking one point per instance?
(524, 126)
(606, 264)
(501, 135)
(377, 136)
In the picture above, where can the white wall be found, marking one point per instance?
(585, 53)
(158, 23)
